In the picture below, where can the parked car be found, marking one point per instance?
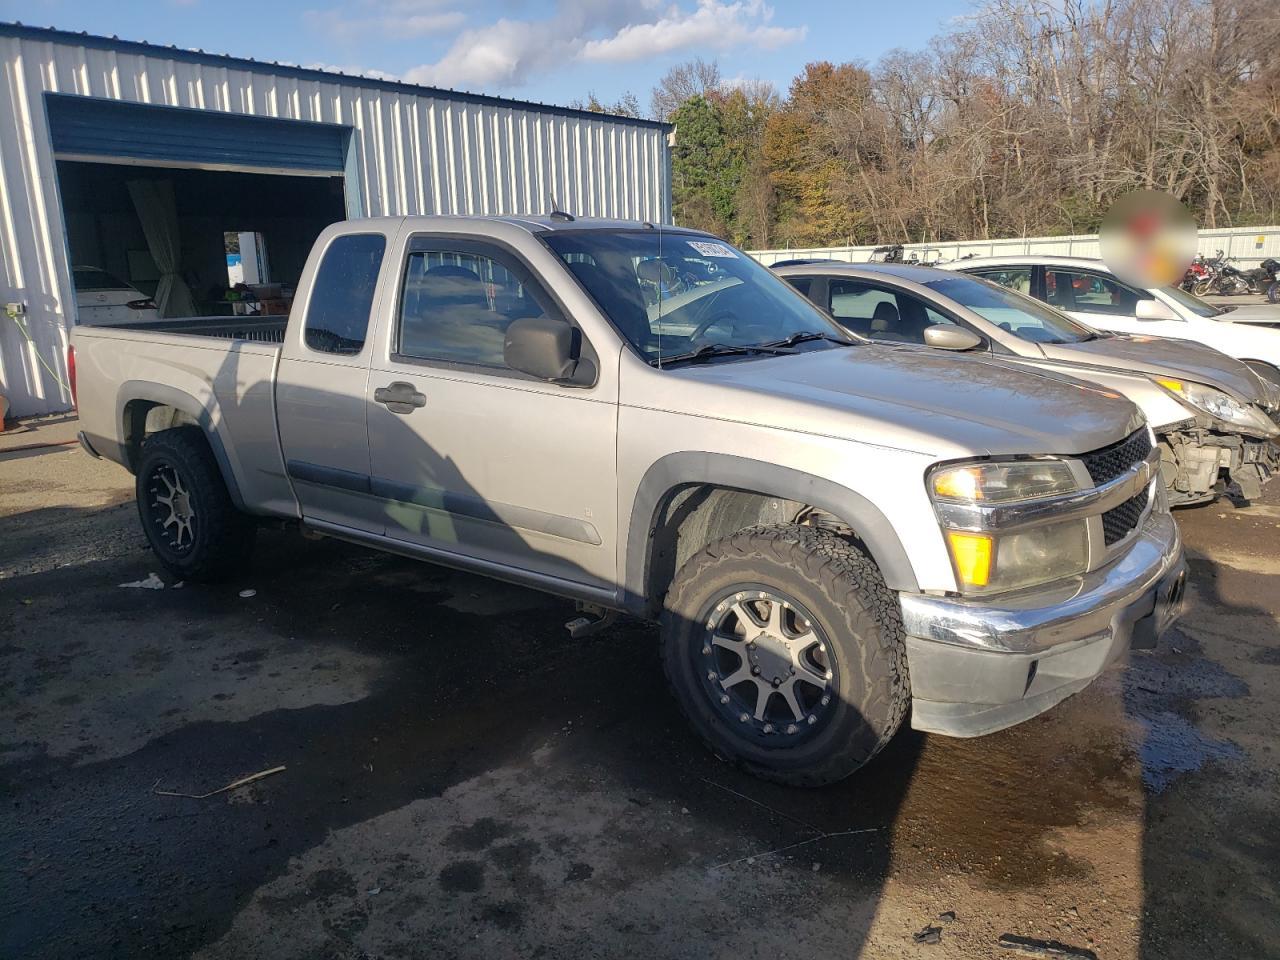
(1246, 333)
(833, 534)
(102, 297)
(1214, 418)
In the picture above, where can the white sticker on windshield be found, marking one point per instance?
(708, 249)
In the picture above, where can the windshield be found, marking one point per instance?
(1025, 318)
(1189, 301)
(673, 293)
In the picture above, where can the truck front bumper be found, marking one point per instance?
(978, 666)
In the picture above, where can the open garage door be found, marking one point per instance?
(173, 212)
(88, 128)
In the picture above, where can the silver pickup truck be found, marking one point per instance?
(831, 532)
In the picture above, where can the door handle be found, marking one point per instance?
(400, 397)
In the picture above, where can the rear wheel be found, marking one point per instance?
(188, 516)
(785, 649)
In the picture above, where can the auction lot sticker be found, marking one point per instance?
(708, 249)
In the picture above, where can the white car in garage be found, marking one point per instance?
(1088, 291)
(102, 297)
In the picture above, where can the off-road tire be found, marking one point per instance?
(861, 618)
(224, 537)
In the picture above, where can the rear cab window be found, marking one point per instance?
(342, 294)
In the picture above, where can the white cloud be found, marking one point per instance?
(508, 52)
(404, 19)
(720, 26)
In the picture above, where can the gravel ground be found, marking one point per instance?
(463, 779)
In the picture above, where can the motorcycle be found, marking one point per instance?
(1198, 270)
(1264, 277)
(1228, 280)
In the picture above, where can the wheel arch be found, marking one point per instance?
(150, 407)
(731, 493)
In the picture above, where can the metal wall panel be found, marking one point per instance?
(416, 151)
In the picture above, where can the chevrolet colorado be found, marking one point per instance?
(832, 533)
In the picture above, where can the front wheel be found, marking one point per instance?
(188, 516)
(785, 650)
(1202, 287)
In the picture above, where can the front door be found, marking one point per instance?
(469, 457)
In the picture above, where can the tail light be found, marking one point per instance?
(71, 375)
(141, 304)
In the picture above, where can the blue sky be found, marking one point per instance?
(554, 52)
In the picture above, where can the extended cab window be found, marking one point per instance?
(456, 306)
(881, 313)
(1083, 292)
(342, 294)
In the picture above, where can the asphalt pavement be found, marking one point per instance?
(462, 779)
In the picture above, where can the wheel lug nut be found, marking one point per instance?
(755, 671)
(776, 681)
(743, 717)
(711, 674)
(792, 728)
(768, 728)
(826, 700)
(812, 720)
(706, 651)
(724, 698)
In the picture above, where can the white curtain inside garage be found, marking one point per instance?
(158, 213)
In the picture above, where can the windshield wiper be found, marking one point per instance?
(804, 336)
(712, 350)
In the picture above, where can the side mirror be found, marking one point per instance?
(548, 349)
(946, 336)
(1154, 310)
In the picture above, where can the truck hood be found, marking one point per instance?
(1162, 357)
(914, 398)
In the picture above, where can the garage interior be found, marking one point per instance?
(165, 198)
(105, 228)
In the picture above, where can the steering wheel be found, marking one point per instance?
(710, 322)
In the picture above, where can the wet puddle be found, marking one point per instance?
(1160, 690)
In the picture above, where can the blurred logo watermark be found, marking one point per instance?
(1149, 239)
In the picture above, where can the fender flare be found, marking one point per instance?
(167, 396)
(676, 470)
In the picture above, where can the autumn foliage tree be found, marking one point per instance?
(1029, 117)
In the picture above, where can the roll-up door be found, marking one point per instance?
(106, 130)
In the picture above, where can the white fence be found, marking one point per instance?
(1246, 245)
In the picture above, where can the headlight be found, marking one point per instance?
(1003, 482)
(1220, 406)
(989, 561)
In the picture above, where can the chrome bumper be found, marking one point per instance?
(978, 666)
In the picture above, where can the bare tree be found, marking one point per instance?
(693, 78)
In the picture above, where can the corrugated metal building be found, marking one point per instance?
(245, 146)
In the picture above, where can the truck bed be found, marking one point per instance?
(252, 329)
(215, 371)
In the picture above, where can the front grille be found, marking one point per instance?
(1119, 522)
(1108, 463)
